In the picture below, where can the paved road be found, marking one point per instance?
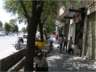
(7, 45)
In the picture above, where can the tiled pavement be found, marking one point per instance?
(62, 62)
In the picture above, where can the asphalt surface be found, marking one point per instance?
(7, 45)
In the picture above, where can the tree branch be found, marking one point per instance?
(25, 11)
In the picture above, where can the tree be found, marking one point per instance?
(49, 9)
(15, 7)
(30, 11)
(14, 26)
(7, 28)
(24, 30)
(1, 24)
(13, 22)
(15, 29)
(50, 24)
(32, 27)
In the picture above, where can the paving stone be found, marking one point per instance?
(64, 63)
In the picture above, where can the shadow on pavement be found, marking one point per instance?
(62, 62)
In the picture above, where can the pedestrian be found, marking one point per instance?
(21, 40)
(70, 49)
(80, 45)
(20, 43)
(65, 44)
(61, 43)
(50, 42)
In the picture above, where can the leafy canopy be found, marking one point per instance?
(49, 9)
(7, 27)
(15, 7)
(1, 24)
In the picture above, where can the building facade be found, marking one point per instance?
(89, 34)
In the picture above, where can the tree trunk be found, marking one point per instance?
(41, 31)
(41, 25)
(32, 27)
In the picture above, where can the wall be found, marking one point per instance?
(91, 34)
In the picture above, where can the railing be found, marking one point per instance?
(16, 60)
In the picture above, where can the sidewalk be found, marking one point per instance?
(62, 62)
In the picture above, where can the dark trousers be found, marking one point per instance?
(70, 51)
(42, 69)
(61, 47)
(65, 46)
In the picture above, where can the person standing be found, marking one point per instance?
(65, 44)
(61, 43)
(19, 43)
(70, 49)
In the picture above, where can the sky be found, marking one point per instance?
(6, 16)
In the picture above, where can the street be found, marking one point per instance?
(7, 45)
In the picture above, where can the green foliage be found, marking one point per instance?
(12, 21)
(49, 13)
(14, 6)
(11, 26)
(50, 8)
(24, 30)
(50, 24)
(1, 24)
(7, 28)
(65, 2)
(15, 28)
(78, 2)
